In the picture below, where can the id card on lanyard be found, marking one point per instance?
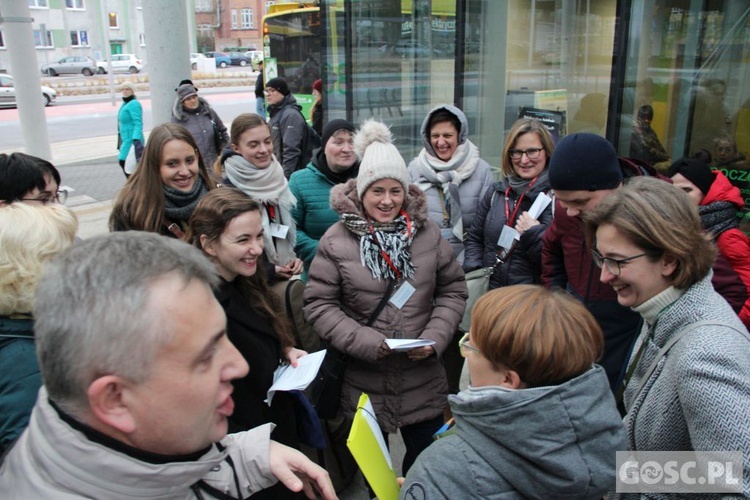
(276, 229)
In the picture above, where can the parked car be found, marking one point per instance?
(121, 63)
(239, 59)
(8, 92)
(194, 56)
(256, 56)
(222, 59)
(71, 65)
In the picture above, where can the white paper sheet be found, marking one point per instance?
(288, 378)
(406, 344)
(541, 202)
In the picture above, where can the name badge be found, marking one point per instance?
(508, 237)
(402, 295)
(278, 230)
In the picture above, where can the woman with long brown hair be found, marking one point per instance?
(226, 225)
(162, 194)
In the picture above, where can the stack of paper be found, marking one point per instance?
(289, 378)
(407, 344)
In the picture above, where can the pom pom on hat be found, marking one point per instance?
(584, 162)
(278, 84)
(186, 90)
(379, 157)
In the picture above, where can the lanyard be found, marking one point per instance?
(509, 219)
(382, 252)
(271, 209)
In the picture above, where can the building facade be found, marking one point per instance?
(226, 25)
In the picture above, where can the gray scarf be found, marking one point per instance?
(179, 205)
(718, 216)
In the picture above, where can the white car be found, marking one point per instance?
(121, 63)
(194, 57)
(8, 92)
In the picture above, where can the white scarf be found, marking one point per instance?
(268, 186)
(434, 172)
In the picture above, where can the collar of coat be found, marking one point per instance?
(344, 200)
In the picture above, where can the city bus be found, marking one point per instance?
(291, 48)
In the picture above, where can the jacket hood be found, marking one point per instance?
(179, 112)
(463, 134)
(723, 190)
(547, 442)
(344, 200)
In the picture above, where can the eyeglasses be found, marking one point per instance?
(463, 345)
(531, 153)
(613, 265)
(45, 198)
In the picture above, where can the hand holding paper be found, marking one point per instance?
(407, 344)
(289, 378)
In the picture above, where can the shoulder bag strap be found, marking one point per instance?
(381, 304)
(676, 338)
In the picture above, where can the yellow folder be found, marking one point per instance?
(367, 444)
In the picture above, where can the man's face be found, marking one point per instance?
(183, 406)
(577, 203)
(273, 96)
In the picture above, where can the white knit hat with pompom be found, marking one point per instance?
(379, 158)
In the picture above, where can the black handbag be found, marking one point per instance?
(325, 391)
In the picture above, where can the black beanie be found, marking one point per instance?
(333, 126)
(694, 170)
(278, 84)
(584, 162)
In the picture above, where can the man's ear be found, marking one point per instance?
(107, 403)
(512, 380)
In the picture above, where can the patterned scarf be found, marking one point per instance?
(393, 238)
(179, 205)
(443, 174)
(270, 187)
(718, 216)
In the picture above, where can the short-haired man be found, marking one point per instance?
(289, 129)
(583, 170)
(137, 371)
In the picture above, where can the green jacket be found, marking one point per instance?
(313, 213)
(20, 378)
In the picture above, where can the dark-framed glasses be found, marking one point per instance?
(45, 197)
(463, 345)
(531, 153)
(613, 265)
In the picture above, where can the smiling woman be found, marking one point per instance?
(165, 188)
(686, 385)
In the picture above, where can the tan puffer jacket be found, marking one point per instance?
(341, 295)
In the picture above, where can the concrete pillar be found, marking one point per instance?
(19, 38)
(168, 50)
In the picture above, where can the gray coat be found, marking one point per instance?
(205, 126)
(698, 398)
(547, 442)
(471, 191)
(288, 128)
(341, 295)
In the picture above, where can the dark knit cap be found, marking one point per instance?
(278, 84)
(584, 162)
(186, 90)
(695, 170)
(333, 126)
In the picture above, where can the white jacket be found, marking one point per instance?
(53, 460)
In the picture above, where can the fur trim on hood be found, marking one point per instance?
(344, 200)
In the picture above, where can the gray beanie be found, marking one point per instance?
(584, 162)
(379, 158)
(186, 90)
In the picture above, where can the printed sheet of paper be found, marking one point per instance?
(288, 378)
(541, 202)
(407, 344)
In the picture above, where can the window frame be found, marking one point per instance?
(79, 37)
(49, 37)
(235, 25)
(82, 5)
(116, 17)
(246, 14)
(35, 4)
